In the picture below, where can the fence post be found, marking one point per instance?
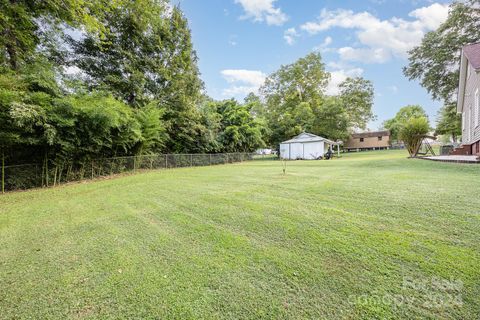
(166, 161)
(191, 160)
(227, 157)
(210, 159)
(55, 175)
(46, 169)
(92, 168)
(3, 171)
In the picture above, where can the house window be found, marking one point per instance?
(361, 139)
(380, 138)
(476, 111)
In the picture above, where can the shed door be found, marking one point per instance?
(296, 151)
(313, 150)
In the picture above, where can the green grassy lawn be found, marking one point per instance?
(370, 235)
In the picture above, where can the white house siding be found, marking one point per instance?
(470, 132)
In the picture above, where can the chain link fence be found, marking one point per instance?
(25, 176)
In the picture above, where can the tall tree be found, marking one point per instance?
(295, 101)
(435, 62)
(239, 130)
(449, 122)
(331, 120)
(22, 23)
(147, 55)
(291, 94)
(356, 95)
(256, 105)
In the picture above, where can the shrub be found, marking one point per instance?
(411, 133)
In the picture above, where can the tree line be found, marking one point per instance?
(83, 80)
(94, 79)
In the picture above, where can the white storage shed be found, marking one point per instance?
(306, 146)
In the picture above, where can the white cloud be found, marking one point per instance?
(338, 76)
(233, 40)
(290, 35)
(432, 16)
(381, 39)
(393, 89)
(242, 81)
(367, 55)
(327, 41)
(323, 47)
(263, 10)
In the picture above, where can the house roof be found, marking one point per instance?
(470, 55)
(472, 52)
(308, 137)
(371, 134)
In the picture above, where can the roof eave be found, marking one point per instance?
(461, 85)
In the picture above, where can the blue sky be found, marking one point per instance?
(239, 42)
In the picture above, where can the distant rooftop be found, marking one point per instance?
(369, 134)
(472, 52)
(307, 137)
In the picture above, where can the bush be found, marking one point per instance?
(412, 131)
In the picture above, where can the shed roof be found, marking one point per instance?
(305, 137)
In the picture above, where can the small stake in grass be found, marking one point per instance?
(284, 165)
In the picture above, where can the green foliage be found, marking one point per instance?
(295, 101)
(435, 62)
(291, 94)
(357, 95)
(239, 129)
(139, 92)
(255, 104)
(411, 132)
(331, 120)
(449, 122)
(147, 57)
(153, 135)
(102, 125)
(38, 119)
(303, 80)
(22, 23)
(403, 115)
(233, 126)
